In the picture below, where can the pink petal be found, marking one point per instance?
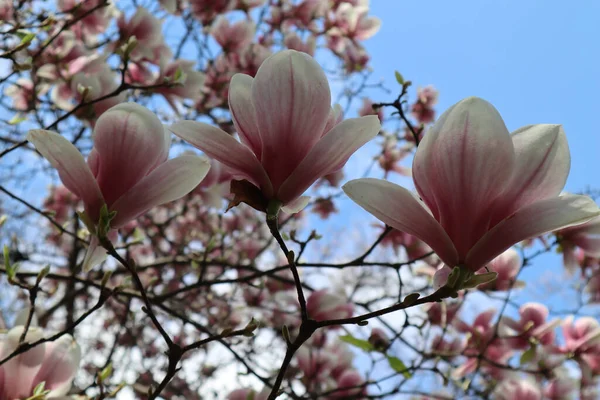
(129, 141)
(60, 365)
(461, 166)
(292, 100)
(71, 166)
(242, 112)
(222, 147)
(530, 221)
(542, 165)
(20, 370)
(398, 208)
(329, 155)
(335, 117)
(170, 181)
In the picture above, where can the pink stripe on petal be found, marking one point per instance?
(130, 142)
(542, 165)
(242, 112)
(168, 182)
(329, 154)
(222, 147)
(399, 208)
(292, 100)
(461, 166)
(60, 365)
(530, 221)
(71, 166)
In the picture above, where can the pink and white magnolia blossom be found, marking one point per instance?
(53, 363)
(290, 136)
(532, 327)
(232, 37)
(585, 236)
(483, 190)
(127, 168)
(517, 389)
(323, 304)
(248, 394)
(188, 85)
(507, 266)
(293, 42)
(147, 30)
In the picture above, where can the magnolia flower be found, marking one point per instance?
(53, 363)
(507, 266)
(127, 169)
(290, 134)
(323, 305)
(232, 37)
(532, 325)
(483, 190)
(521, 389)
(586, 237)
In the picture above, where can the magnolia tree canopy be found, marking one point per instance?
(183, 187)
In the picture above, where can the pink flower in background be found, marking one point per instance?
(189, 85)
(585, 236)
(246, 394)
(324, 305)
(54, 363)
(518, 389)
(560, 388)
(531, 327)
(391, 155)
(232, 37)
(350, 385)
(422, 109)
(507, 265)
(207, 10)
(293, 42)
(23, 94)
(93, 23)
(483, 190)
(289, 133)
(127, 168)
(88, 78)
(147, 30)
(367, 109)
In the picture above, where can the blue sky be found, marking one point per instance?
(537, 61)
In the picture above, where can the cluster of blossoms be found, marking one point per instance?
(273, 136)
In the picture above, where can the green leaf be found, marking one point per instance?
(106, 373)
(361, 344)
(399, 77)
(528, 355)
(479, 279)
(398, 366)
(17, 119)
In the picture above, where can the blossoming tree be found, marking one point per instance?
(177, 218)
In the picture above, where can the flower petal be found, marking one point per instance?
(461, 166)
(530, 221)
(296, 206)
(399, 208)
(94, 255)
(242, 112)
(329, 154)
(129, 141)
(222, 147)
(71, 166)
(292, 100)
(542, 165)
(170, 181)
(60, 365)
